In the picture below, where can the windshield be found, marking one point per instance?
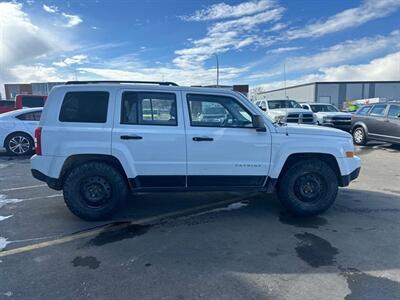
(277, 104)
(323, 108)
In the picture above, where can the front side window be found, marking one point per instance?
(363, 111)
(84, 107)
(149, 108)
(217, 111)
(394, 111)
(378, 110)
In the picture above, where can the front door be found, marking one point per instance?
(149, 132)
(377, 122)
(223, 150)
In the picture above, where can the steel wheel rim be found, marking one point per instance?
(96, 191)
(19, 144)
(358, 135)
(310, 187)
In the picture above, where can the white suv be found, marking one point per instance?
(98, 141)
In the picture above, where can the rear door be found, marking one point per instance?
(377, 121)
(149, 134)
(223, 150)
(30, 121)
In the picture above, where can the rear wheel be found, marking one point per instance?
(359, 136)
(18, 144)
(308, 187)
(94, 191)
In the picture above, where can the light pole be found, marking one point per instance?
(216, 56)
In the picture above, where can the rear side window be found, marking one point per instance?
(32, 116)
(149, 108)
(363, 111)
(378, 110)
(84, 107)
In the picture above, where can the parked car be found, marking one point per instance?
(22, 101)
(289, 111)
(17, 129)
(96, 156)
(380, 122)
(329, 115)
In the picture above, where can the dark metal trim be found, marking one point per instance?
(167, 83)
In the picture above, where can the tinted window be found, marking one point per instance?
(149, 108)
(378, 110)
(7, 103)
(323, 108)
(394, 111)
(363, 111)
(84, 107)
(32, 101)
(32, 116)
(217, 111)
(277, 104)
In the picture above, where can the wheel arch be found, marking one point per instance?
(325, 157)
(16, 132)
(78, 159)
(360, 124)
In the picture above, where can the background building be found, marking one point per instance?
(335, 92)
(36, 88)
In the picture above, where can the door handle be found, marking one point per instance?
(131, 137)
(202, 139)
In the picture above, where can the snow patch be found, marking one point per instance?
(2, 218)
(2, 166)
(4, 200)
(8, 294)
(3, 243)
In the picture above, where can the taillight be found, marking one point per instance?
(38, 141)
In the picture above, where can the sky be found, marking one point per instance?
(258, 42)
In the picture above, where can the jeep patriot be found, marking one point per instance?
(100, 141)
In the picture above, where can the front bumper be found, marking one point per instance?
(345, 127)
(346, 179)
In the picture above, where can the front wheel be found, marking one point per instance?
(94, 191)
(359, 136)
(308, 187)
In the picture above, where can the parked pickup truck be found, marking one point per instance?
(154, 138)
(288, 111)
(329, 115)
(22, 101)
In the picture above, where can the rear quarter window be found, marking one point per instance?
(84, 107)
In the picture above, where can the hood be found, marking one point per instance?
(312, 130)
(285, 111)
(333, 114)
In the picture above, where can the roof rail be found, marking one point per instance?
(123, 81)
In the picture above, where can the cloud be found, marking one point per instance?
(284, 49)
(383, 68)
(228, 35)
(224, 11)
(74, 60)
(37, 73)
(22, 40)
(367, 11)
(345, 51)
(52, 9)
(72, 20)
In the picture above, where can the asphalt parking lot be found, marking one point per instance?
(212, 246)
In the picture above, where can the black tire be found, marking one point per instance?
(308, 187)
(94, 191)
(18, 144)
(359, 136)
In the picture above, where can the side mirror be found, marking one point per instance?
(258, 123)
(263, 108)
